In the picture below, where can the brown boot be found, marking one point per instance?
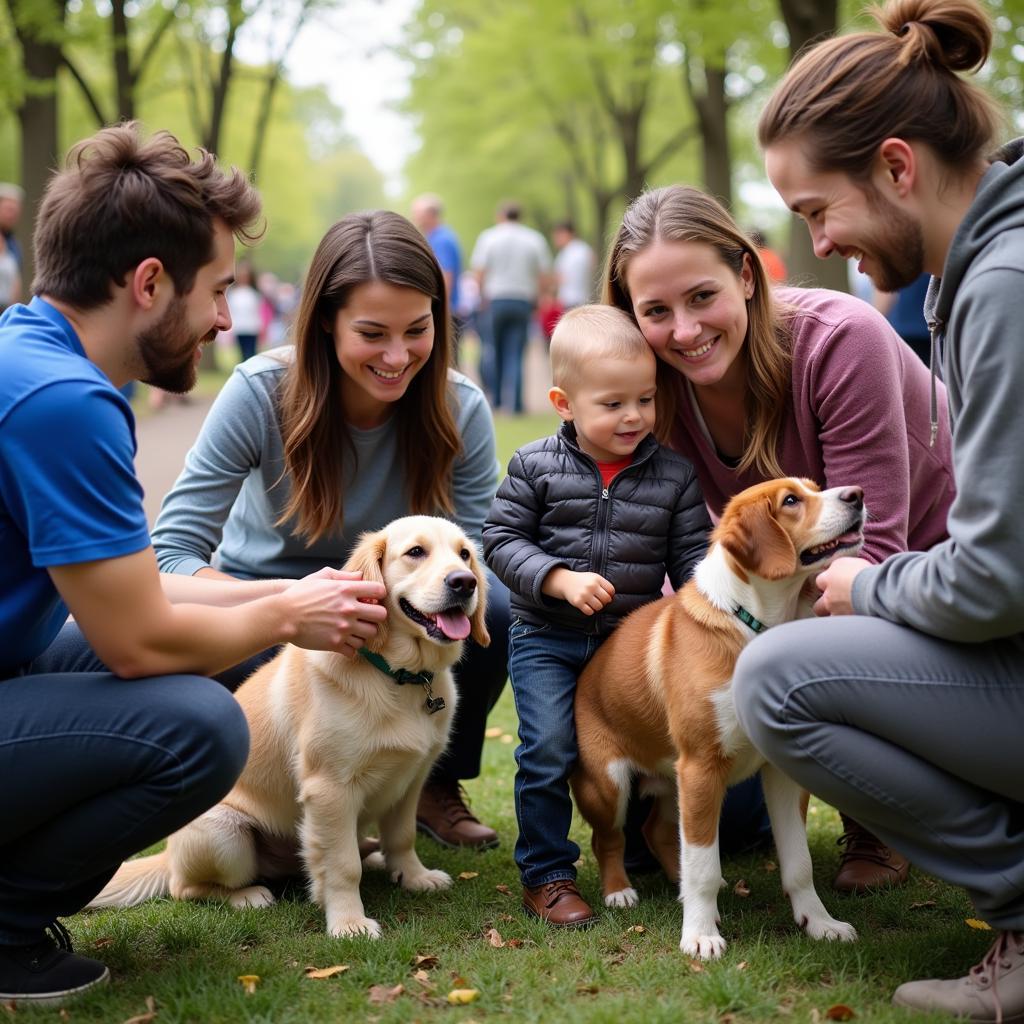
(866, 863)
(443, 815)
(558, 903)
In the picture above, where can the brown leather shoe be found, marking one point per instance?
(559, 904)
(867, 863)
(443, 815)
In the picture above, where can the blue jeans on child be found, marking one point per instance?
(544, 663)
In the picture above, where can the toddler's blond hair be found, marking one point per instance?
(592, 332)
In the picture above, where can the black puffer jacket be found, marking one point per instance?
(552, 510)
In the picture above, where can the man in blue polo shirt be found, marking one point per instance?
(112, 733)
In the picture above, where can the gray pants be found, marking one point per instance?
(919, 739)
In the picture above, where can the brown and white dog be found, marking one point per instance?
(337, 745)
(656, 701)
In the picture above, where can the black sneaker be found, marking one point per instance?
(47, 972)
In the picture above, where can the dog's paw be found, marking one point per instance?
(426, 881)
(374, 861)
(252, 896)
(704, 947)
(622, 898)
(355, 926)
(831, 929)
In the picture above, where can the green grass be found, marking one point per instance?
(188, 957)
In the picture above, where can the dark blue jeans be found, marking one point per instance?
(95, 768)
(504, 344)
(544, 663)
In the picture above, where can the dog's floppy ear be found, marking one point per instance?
(368, 558)
(477, 620)
(754, 538)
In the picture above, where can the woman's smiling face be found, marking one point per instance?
(383, 337)
(692, 309)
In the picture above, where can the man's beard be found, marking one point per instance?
(897, 249)
(168, 348)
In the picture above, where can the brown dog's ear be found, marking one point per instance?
(477, 620)
(754, 538)
(368, 558)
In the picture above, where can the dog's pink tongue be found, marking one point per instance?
(454, 625)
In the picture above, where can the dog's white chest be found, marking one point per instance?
(733, 740)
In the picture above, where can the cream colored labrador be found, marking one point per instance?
(337, 745)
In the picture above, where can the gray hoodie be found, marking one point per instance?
(970, 587)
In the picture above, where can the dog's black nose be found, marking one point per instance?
(852, 496)
(460, 582)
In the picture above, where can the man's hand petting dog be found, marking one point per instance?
(836, 586)
(351, 620)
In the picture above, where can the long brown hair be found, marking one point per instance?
(677, 213)
(845, 96)
(359, 248)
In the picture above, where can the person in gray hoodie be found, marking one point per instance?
(904, 703)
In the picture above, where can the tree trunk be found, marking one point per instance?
(808, 21)
(712, 109)
(37, 117)
(125, 91)
(219, 99)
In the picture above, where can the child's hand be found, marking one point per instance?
(587, 591)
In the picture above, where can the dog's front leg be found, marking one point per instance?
(701, 791)
(329, 841)
(398, 844)
(783, 797)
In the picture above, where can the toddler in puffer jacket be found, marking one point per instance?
(583, 530)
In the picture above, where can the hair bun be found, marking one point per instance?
(952, 34)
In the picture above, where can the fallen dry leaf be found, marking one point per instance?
(769, 866)
(514, 943)
(458, 981)
(839, 1012)
(493, 936)
(741, 888)
(145, 1018)
(63, 1014)
(815, 1015)
(249, 982)
(385, 994)
(637, 929)
(493, 732)
(319, 973)
(742, 965)
(423, 978)
(462, 996)
(467, 875)
(9, 1007)
(504, 890)
(696, 966)
(505, 917)
(426, 962)
(923, 903)
(587, 990)
(973, 922)
(103, 943)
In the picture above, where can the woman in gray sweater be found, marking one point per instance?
(360, 421)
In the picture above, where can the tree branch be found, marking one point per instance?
(87, 93)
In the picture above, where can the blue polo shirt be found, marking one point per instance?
(446, 248)
(68, 490)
